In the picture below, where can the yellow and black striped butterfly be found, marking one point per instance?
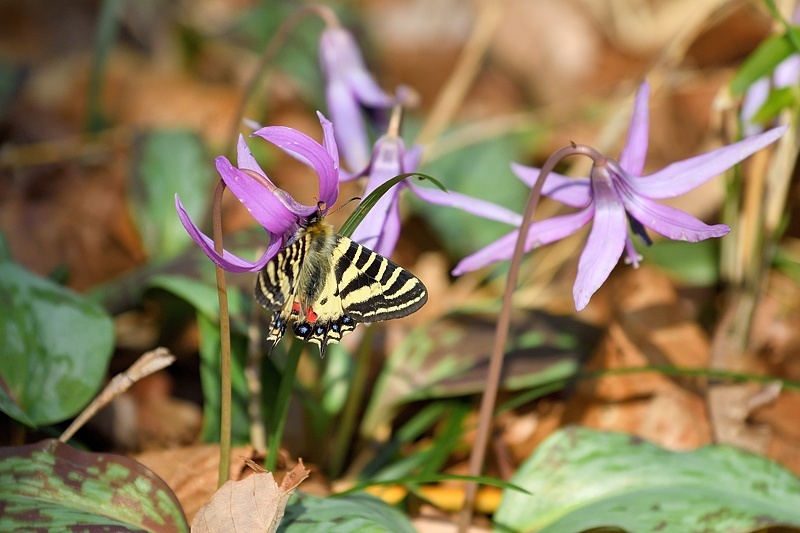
(326, 283)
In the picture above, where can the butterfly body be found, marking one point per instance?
(325, 284)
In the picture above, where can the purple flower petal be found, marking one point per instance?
(574, 192)
(245, 159)
(350, 129)
(329, 181)
(412, 158)
(310, 151)
(606, 239)
(634, 153)
(468, 204)
(259, 200)
(668, 221)
(754, 98)
(683, 176)
(380, 229)
(227, 260)
(540, 233)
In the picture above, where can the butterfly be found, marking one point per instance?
(326, 283)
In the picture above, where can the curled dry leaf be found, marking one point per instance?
(255, 503)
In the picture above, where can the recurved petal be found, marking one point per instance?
(307, 150)
(605, 243)
(683, 176)
(634, 153)
(245, 159)
(670, 222)
(574, 192)
(540, 233)
(260, 201)
(227, 260)
(468, 204)
(329, 183)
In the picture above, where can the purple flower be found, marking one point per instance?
(349, 87)
(380, 229)
(616, 196)
(272, 207)
(786, 74)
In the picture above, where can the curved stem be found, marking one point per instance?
(225, 342)
(489, 397)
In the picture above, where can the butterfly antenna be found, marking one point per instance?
(353, 199)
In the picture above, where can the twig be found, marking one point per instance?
(150, 362)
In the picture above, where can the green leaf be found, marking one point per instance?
(354, 512)
(203, 297)
(49, 486)
(778, 100)
(580, 479)
(761, 62)
(170, 162)
(450, 358)
(369, 202)
(693, 263)
(55, 348)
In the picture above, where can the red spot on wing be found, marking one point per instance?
(310, 315)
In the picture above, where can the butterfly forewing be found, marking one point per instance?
(328, 284)
(372, 287)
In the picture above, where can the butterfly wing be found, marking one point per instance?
(361, 286)
(276, 285)
(330, 284)
(373, 288)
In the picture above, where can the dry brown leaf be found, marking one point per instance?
(651, 326)
(192, 472)
(255, 503)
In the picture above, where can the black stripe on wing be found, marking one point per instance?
(373, 288)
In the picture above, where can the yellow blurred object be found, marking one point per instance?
(391, 494)
(451, 498)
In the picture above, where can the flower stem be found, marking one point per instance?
(355, 395)
(489, 397)
(282, 404)
(225, 343)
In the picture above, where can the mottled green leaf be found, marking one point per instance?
(170, 162)
(55, 347)
(353, 512)
(49, 486)
(451, 356)
(581, 479)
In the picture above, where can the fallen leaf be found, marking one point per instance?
(255, 503)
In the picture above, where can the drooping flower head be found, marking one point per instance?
(616, 196)
(272, 207)
(380, 229)
(349, 87)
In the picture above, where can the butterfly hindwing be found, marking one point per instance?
(327, 283)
